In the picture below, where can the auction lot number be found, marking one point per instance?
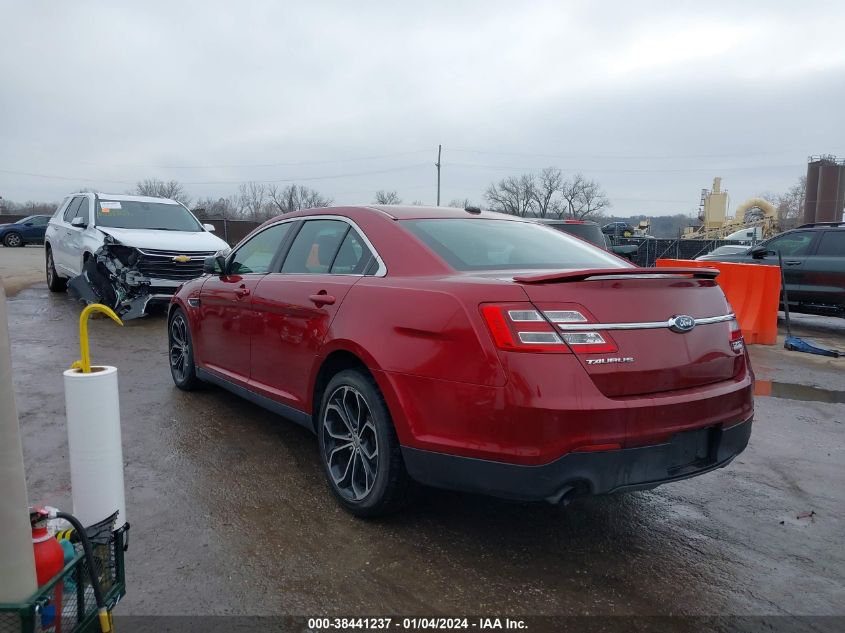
(316, 624)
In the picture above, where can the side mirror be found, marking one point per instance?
(78, 222)
(209, 227)
(214, 265)
(27, 223)
(758, 252)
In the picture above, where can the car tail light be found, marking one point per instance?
(737, 342)
(521, 327)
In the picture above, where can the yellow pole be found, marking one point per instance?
(85, 362)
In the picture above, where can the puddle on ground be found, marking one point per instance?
(789, 391)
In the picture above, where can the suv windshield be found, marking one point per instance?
(135, 214)
(504, 244)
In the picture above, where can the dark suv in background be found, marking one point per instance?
(813, 265)
(591, 232)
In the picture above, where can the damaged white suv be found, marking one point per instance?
(125, 251)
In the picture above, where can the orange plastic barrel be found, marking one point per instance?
(753, 291)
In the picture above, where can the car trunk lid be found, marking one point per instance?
(664, 329)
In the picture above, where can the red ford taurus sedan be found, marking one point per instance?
(469, 350)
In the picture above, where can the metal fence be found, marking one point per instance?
(650, 250)
(232, 231)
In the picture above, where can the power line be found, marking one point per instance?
(627, 171)
(70, 178)
(626, 156)
(283, 164)
(224, 182)
(309, 178)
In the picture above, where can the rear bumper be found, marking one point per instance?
(684, 455)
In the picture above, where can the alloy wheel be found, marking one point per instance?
(50, 268)
(350, 443)
(13, 240)
(179, 348)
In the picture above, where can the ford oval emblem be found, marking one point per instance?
(681, 323)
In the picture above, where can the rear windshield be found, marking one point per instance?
(503, 244)
(135, 214)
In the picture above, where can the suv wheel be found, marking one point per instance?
(54, 282)
(358, 446)
(13, 239)
(181, 352)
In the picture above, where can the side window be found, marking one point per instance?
(40, 220)
(72, 208)
(256, 255)
(832, 244)
(315, 247)
(793, 244)
(84, 211)
(353, 256)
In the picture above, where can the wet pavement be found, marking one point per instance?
(21, 267)
(230, 513)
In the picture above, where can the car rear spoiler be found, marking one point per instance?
(600, 273)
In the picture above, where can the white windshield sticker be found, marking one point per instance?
(109, 205)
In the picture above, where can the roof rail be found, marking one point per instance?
(812, 224)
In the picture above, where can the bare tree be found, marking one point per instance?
(790, 205)
(252, 200)
(461, 203)
(30, 207)
(295, 197)
(387, 197)
(223, 207)
(159, 189)
(545, 191)
(583, 198)
(513, 195)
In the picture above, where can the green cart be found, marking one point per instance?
(66, 604)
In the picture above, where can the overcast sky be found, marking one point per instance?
(651, 99)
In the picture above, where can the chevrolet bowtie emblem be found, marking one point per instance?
(181, 259)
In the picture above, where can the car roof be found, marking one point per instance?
(121, 197)
(821, 225)
(408, 212)
(402, 212)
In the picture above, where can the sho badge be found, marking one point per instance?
(610, 361)
(681, 323)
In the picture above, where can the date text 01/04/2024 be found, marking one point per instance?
(416, 623)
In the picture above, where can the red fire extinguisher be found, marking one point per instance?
(49, 561)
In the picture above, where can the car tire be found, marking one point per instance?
(359, 449)
(180, 352)
(13, 240)
(54, 282)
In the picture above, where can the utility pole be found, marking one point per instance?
(437, 164)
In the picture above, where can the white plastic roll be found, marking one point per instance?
(94, 443)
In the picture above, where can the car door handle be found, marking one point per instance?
(792, 262)
(322, 299)
(242, 291)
